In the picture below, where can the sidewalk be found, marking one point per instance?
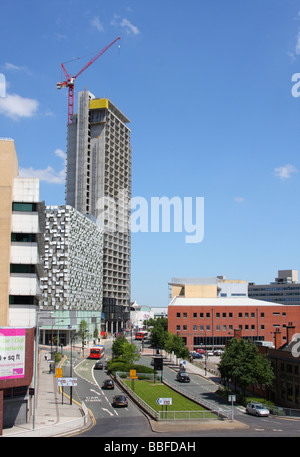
(52, 418)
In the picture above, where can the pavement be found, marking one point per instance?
(54, 415)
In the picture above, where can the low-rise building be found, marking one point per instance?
(204, 315)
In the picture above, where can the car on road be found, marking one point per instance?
(108, 384)
(120, 400)
(257, 409)
(196, 355)
(182, 376)
(98, 366)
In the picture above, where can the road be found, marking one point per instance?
(131, 422)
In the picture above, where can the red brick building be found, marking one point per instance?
(209, 322)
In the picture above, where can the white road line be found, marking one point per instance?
(104, 409)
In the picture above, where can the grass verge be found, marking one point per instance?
(150, 392)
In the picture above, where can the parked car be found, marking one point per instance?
(257, 409)
(120, 400)
(210, 353)
(201, 351)
(196, 355)
(182, 376)
(108, 384)
(218, 352)
(98, 366)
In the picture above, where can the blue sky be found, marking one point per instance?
(207, 87)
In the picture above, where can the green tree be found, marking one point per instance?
(242, 364)
(130, 353)
(118, 345)
(83, 333)
(158, 334)
(174, 343)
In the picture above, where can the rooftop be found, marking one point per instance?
(220, 301)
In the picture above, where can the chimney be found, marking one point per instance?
(277, 336)
(290, 331)
(238, 334)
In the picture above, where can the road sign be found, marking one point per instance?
(67, 382)
(58, 372)
(164, 401)
(232, 397)
(133, 374)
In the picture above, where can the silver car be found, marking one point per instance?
(257, 409)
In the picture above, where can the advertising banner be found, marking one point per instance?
(12, 353)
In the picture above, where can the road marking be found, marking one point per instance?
(104, 409)
(92, 390)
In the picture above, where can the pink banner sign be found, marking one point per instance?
(12, 353)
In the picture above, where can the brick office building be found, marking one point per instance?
(209, 322)
(205, 312)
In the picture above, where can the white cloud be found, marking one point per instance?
(130, 28)
(14, 106)
(285, 171)
(95, 22)
(126, 24)
(297, 47)
(48, 174)
(239, 199)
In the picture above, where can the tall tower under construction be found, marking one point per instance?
(98, 184)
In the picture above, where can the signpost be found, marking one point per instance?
(133, 376)
(232, 398)
(164, 402)
(66, 382)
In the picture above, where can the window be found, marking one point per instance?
(217, 314)
(195, 328)
(262, 315)
(240, 314)
(177, 328)
(201, 328)
(246, 315)
(21, 268)
(21, 300)
(201, 314)
(224, 315)
(28, 207)
(224, 328)
(230, 315)
(184, 328)
(194, 314)
(218, 328)
(23, 237)
(252, 315)
(177, 314)
(207, 314)
(184, 315)
(208, 327)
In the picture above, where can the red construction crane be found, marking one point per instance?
(70, 80)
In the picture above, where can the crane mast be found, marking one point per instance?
(70, 80)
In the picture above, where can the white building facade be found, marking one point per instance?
(26, 252)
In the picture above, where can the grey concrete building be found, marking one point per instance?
(99, 184)
(285, 289)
